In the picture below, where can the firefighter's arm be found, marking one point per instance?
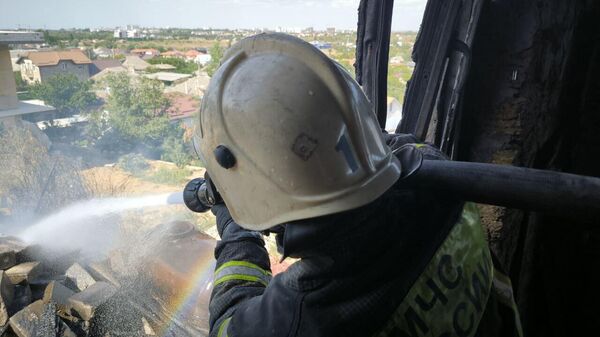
(242, 271)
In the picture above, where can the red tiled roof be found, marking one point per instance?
(192, 53)
(182, 106)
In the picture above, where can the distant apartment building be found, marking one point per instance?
(39, 66)
(134, 34)
(120, 34)
(131, 32)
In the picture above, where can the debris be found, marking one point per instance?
(101, 271)
(64, 330)
(117, 297)
(118, 263)
(10, 247)
(87, 302)
(7, 294)
(28, 271)
(29, 253)
(22, 298)
(7, 257)
(147, 328)
(59, 294)
(35, 320)
(78, 278)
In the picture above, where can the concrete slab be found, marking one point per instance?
(78, 278)
(7, 294)
(59, 294)
(28, 271)
(35, 320)
(101, 271)
(89, 301)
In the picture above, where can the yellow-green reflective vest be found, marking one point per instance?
(450, 296)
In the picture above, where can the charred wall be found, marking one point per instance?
(533, 99)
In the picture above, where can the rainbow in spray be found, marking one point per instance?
(189, 281)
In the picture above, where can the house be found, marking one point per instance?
(11, 109)
(191, 54)
(16, 54)
(106, 71)
(203, 59)
(168, 78)
(174, 54)
(195, 86)
(103, 53)
(135, 63)
(99, 65)
(163, 66)
(145, 52)
(39, 66)
(183, 109)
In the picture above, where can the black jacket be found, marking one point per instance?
(355, 268)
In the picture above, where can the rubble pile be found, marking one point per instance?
(43, 293)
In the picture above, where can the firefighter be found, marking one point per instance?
(293, 147)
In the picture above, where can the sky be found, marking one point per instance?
(55, 14)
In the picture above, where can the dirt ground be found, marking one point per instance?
(109, 181)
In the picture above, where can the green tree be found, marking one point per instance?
(137, 108)
(216, 53)
(174, 151)
(65, 92)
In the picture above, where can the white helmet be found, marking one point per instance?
(287, 134)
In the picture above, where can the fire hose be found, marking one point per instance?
(550, 192)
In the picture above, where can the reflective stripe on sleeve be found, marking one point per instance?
(223, 328)
(241, 270)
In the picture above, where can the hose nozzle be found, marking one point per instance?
(200, 194)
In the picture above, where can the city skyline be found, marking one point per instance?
(218, 14)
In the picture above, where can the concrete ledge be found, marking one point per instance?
(24, 109)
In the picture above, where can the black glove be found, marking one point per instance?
(410, 153)
(228, 229)
(213, 195)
